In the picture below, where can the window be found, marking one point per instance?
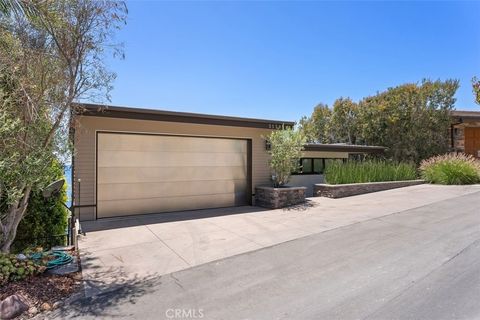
(314, 165)
(306, 165)
(318, 165)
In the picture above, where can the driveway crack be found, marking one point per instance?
(175, 252)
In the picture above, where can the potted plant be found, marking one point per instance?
(285, 151)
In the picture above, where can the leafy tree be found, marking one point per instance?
(48, 61)
(314, 128)
(286, 148)
(343, 125)
(412, 120)
(476, 89)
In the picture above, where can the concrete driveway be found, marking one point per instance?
(117, 252)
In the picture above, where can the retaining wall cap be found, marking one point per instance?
(280, 189)
(367, 183)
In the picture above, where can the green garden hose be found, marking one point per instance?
(60, 258)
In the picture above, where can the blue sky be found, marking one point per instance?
(277, 60)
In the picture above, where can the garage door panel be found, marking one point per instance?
(157, 205)
(138, 174)
(139, 142)
(165, 159)
(126, 191)
(154, 174)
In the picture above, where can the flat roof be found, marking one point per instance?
(97, 110)
(466, 114)
(340, 147)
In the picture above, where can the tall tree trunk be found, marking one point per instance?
(15, 214)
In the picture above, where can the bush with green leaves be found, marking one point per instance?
(46, 220)
(451, 169)
(338, 172)
(14, 269)
(286, 148)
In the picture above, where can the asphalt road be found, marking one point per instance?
(422, 263)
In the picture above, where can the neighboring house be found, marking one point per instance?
(132, 161)
(465, 132)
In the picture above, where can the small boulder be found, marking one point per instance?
(46, 306)
(57, 304)
(32, 311)
(12, 307)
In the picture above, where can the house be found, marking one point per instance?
(465, 132)
(131, 161)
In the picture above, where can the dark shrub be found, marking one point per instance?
(45, 221)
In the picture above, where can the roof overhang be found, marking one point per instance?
(465, 116)
(344, 148)
(95, 110)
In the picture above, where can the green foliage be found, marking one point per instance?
(343, 125)
(13, 269)
(286, 148)
(476, 89)
(412, 120)
(315, 127)
(48, 60)
(45, 222)
(451, 169)
(368, 171)
(403, 119)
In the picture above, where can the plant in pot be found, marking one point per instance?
(286, 148)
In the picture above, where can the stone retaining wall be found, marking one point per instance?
(274, 198)
(346, 190)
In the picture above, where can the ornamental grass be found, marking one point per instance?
(369, 171)
(452, 168)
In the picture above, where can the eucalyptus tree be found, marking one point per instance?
(50, 57)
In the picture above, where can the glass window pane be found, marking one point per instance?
(307, 165)
(318, 165)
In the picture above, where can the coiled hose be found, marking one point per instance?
(57, 258)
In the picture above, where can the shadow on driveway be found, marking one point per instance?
(139, 220)
(101, 306)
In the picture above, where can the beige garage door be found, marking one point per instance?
(139, 174)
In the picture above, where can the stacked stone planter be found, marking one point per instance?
(274, 198)
(347, 190)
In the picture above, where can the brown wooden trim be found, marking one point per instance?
(170, 116)
(96, 175)
(249, 172)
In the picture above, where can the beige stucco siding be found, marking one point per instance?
(85, 136)
(325, 154)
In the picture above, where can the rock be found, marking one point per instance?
(32, 311)
(12, 307)
(46, 306)
(57, 304)
(21, 256)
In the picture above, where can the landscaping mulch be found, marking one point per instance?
(43, 292)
